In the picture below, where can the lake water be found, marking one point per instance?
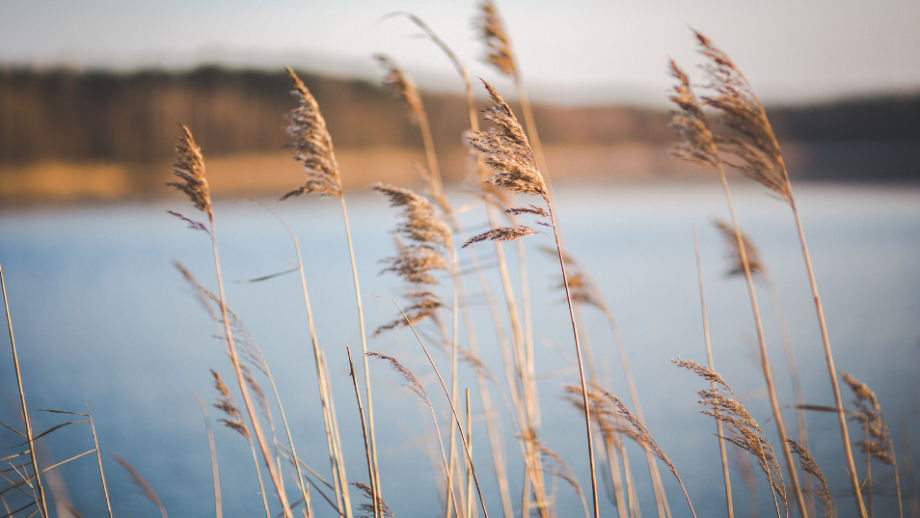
(101, 316)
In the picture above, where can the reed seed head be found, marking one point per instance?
(312, 145)
(809, 465)
(369, 508)
(422, 223)
(403, 88)
(500, 234)
(697, 143)
(753, 140)
(189, 168)
(507, 150)
(870, 415)
(492, 31)
(755, 263)
(227, 405)
(411, 382)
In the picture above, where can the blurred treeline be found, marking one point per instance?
(96, 115)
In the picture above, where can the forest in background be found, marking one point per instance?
(62, 130)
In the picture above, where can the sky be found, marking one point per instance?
(578, 52)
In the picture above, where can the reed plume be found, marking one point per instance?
(382, 508)
(190, 169)
(753, 142)
(312, 145)
(508, 151)
(500, 54)
(313, 148)
(406, 91)
(810, 466)
(699, 145)
(639, 433)
(141, 484)
(877, 444)
(736, 267)
(722, 404)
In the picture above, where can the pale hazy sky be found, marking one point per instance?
(583, 51)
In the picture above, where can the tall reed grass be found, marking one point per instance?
(725, 127)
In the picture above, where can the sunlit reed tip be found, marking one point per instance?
(312, 145)
(189, 168)
(507, 150)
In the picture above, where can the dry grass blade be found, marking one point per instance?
(697, 142)
(189, 168)
(492, 31)
(400, 85)
(384, 509)
(312, 145)
(507, 150)
(753, 140)
(870, 415)
(811, 467)
(731, 244)
(500, 234)
(141, 483)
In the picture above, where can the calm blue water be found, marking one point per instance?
(101, 316)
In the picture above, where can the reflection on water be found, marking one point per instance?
(101, 316)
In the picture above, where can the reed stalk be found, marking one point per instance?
(453, 410)
(721, 433)
(367, 448)
(218, 505)
(756, 145)
(313, 147)
(40, 502)
(517, 378)
(105, 488)
(699, 145)
(760, 270)
(508, 151)
(189, 168)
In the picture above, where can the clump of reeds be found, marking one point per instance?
(508, 151)
(699, 144)
(754, 143)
